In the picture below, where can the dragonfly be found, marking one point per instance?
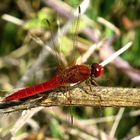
(72, 75)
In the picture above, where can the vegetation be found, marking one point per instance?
(22, 44)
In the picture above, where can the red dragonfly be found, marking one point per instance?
(72, 75)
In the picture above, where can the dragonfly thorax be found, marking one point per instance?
(76, 74)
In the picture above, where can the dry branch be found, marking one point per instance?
(94, 96)
(83, 96)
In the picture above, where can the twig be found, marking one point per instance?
(109, 25)
(117, 121)
(12, 19)
(116, 54)
(98, 96)
(23, 119)
(82, 59)
(87, 96)
(119, 63)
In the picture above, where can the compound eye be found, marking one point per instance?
(96, 70)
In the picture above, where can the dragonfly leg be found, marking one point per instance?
(91, 82)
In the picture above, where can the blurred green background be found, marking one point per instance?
(19, 50)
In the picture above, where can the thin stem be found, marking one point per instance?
(98, 96)
(88, 96)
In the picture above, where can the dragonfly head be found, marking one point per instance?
(96, 70)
